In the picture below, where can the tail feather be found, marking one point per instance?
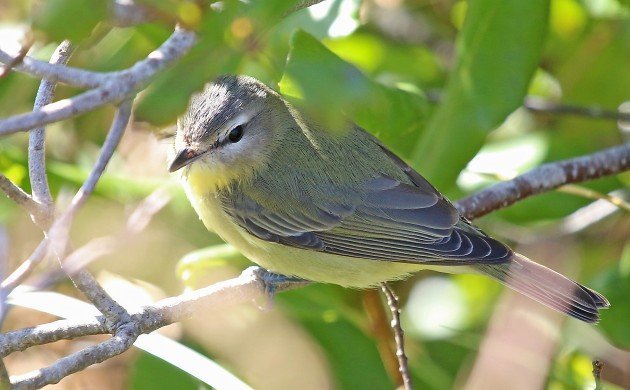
(548, 287)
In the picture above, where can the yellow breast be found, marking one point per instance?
(307, 264)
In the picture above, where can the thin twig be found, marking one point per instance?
(21, 273)
(116, 131)
(18, 195)
(548, 107)
(543, 106)
(58, 235)
(36, 145)
(544, 178)
(403, 364)
(592, 194)
(65, 74)
(77, 361)
(24, 48)
(597, 374)
(66, 108)
(114, 313)
(116, 87)
(381, 330)
(22, 339)
(250, 285)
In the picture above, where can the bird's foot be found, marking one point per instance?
(274, 283)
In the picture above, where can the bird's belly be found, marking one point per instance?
(303, 263)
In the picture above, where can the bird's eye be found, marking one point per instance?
(236, 134)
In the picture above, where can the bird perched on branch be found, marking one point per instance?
(335, 206)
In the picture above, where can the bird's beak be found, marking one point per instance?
(183, 158)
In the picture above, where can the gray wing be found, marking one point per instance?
(388, 220)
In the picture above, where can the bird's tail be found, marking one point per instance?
(548, 287)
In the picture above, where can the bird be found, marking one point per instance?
(335, 206)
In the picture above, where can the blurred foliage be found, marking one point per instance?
(58, 19)
(333, 321)
(150, 372)
(497, 47)
(615, 284)
(394, 115)
(438, 82)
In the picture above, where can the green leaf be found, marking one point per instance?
(379, 57)
(167, 97)
(353, 357)
(69, 19)
(615, 285)
(330, 86)
(150, 372)
(202, 261)
(498, 51)
(225, 38)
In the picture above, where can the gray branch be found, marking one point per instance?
(119, 343)
(82, 279)
(251, 284)
(545, 178)
(56, 72)
(18, 195)
(535, 104)
(36, 144)
(115, 87)
(394, 308)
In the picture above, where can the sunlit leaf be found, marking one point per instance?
(352, 354)
(497, 53)
(167, 97)
(226, 35)
(329, 86)
(203, 260)
(160, 346)
(389, 61)
(615, 285)
(69, 19)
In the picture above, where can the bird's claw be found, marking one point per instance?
(274, 283)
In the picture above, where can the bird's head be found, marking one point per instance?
(229, 129)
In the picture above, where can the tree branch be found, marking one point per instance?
(253, 283)
(119, 343)
(18, 195)
(535, 104)
(545, 178)
(116, 87)
(56, 72)
(58, 234)
(403, 364)
(36, 146)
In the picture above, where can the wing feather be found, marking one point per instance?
(389, 221)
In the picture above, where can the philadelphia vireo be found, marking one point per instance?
(335, 207)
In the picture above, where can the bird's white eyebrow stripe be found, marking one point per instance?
(240, 119)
